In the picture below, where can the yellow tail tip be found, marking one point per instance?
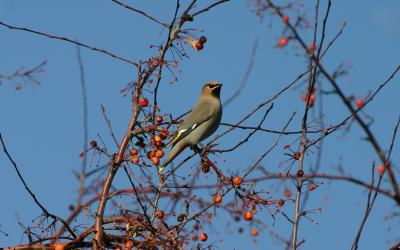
(160, 169)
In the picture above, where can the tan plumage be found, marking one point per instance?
(202, 121)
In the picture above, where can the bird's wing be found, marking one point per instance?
(199, 115)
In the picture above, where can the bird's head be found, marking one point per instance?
(212, 89)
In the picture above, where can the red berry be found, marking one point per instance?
(202, 39)
(282, 42)
(300, 173)
(248, 216)
(93, 144)
(159, 119)
(143, 102)
(199, 46)
(359, 103)
(380, 169)
(217, 199)
(285, 19)
(203, 237)
(159, 214)
(237, 180)
(312, 187)
(281, 202)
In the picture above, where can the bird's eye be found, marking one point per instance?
(211, 86)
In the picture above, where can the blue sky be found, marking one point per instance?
(43, 127)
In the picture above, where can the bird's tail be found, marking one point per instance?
(175, 151)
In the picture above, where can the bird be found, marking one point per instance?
(203, 121)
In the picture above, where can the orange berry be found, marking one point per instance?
(359, 103)
(159, 214)
(203, 237)
(163, 135)
(285, 19)
(133, 152)
(281, 202)
(287, 193)
(248, 216)
(135, 160)
(150, 154)
(129, 244)
(155, 160)
(59, 246)
(311, 48)
(159, 153)
(282, 42)
(380, 169)
(237, 180)
(157, 139)
(143, 102)
(254, 232)
(217, 199)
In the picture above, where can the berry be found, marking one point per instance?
(199, 46)
(203, 237)
(159, 214)
(163, 135)
(311, 48)
(312, 187)
(155, 160)
(359, 103)
(254, 232)
(202, 39)
(129, 244)
(93, 144)
(217, 199)
(380, 169)
(237, 180)
(280, 202)
(248, 216)
(282, 42)
(159, 119)
(159, 153)
(287, 193)
(285, 19)
(300, 173)
(135, 160)
(81, 155)
(133, 152)
(157, 139)
(143, 102)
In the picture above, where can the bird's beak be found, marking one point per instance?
(219, 85)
